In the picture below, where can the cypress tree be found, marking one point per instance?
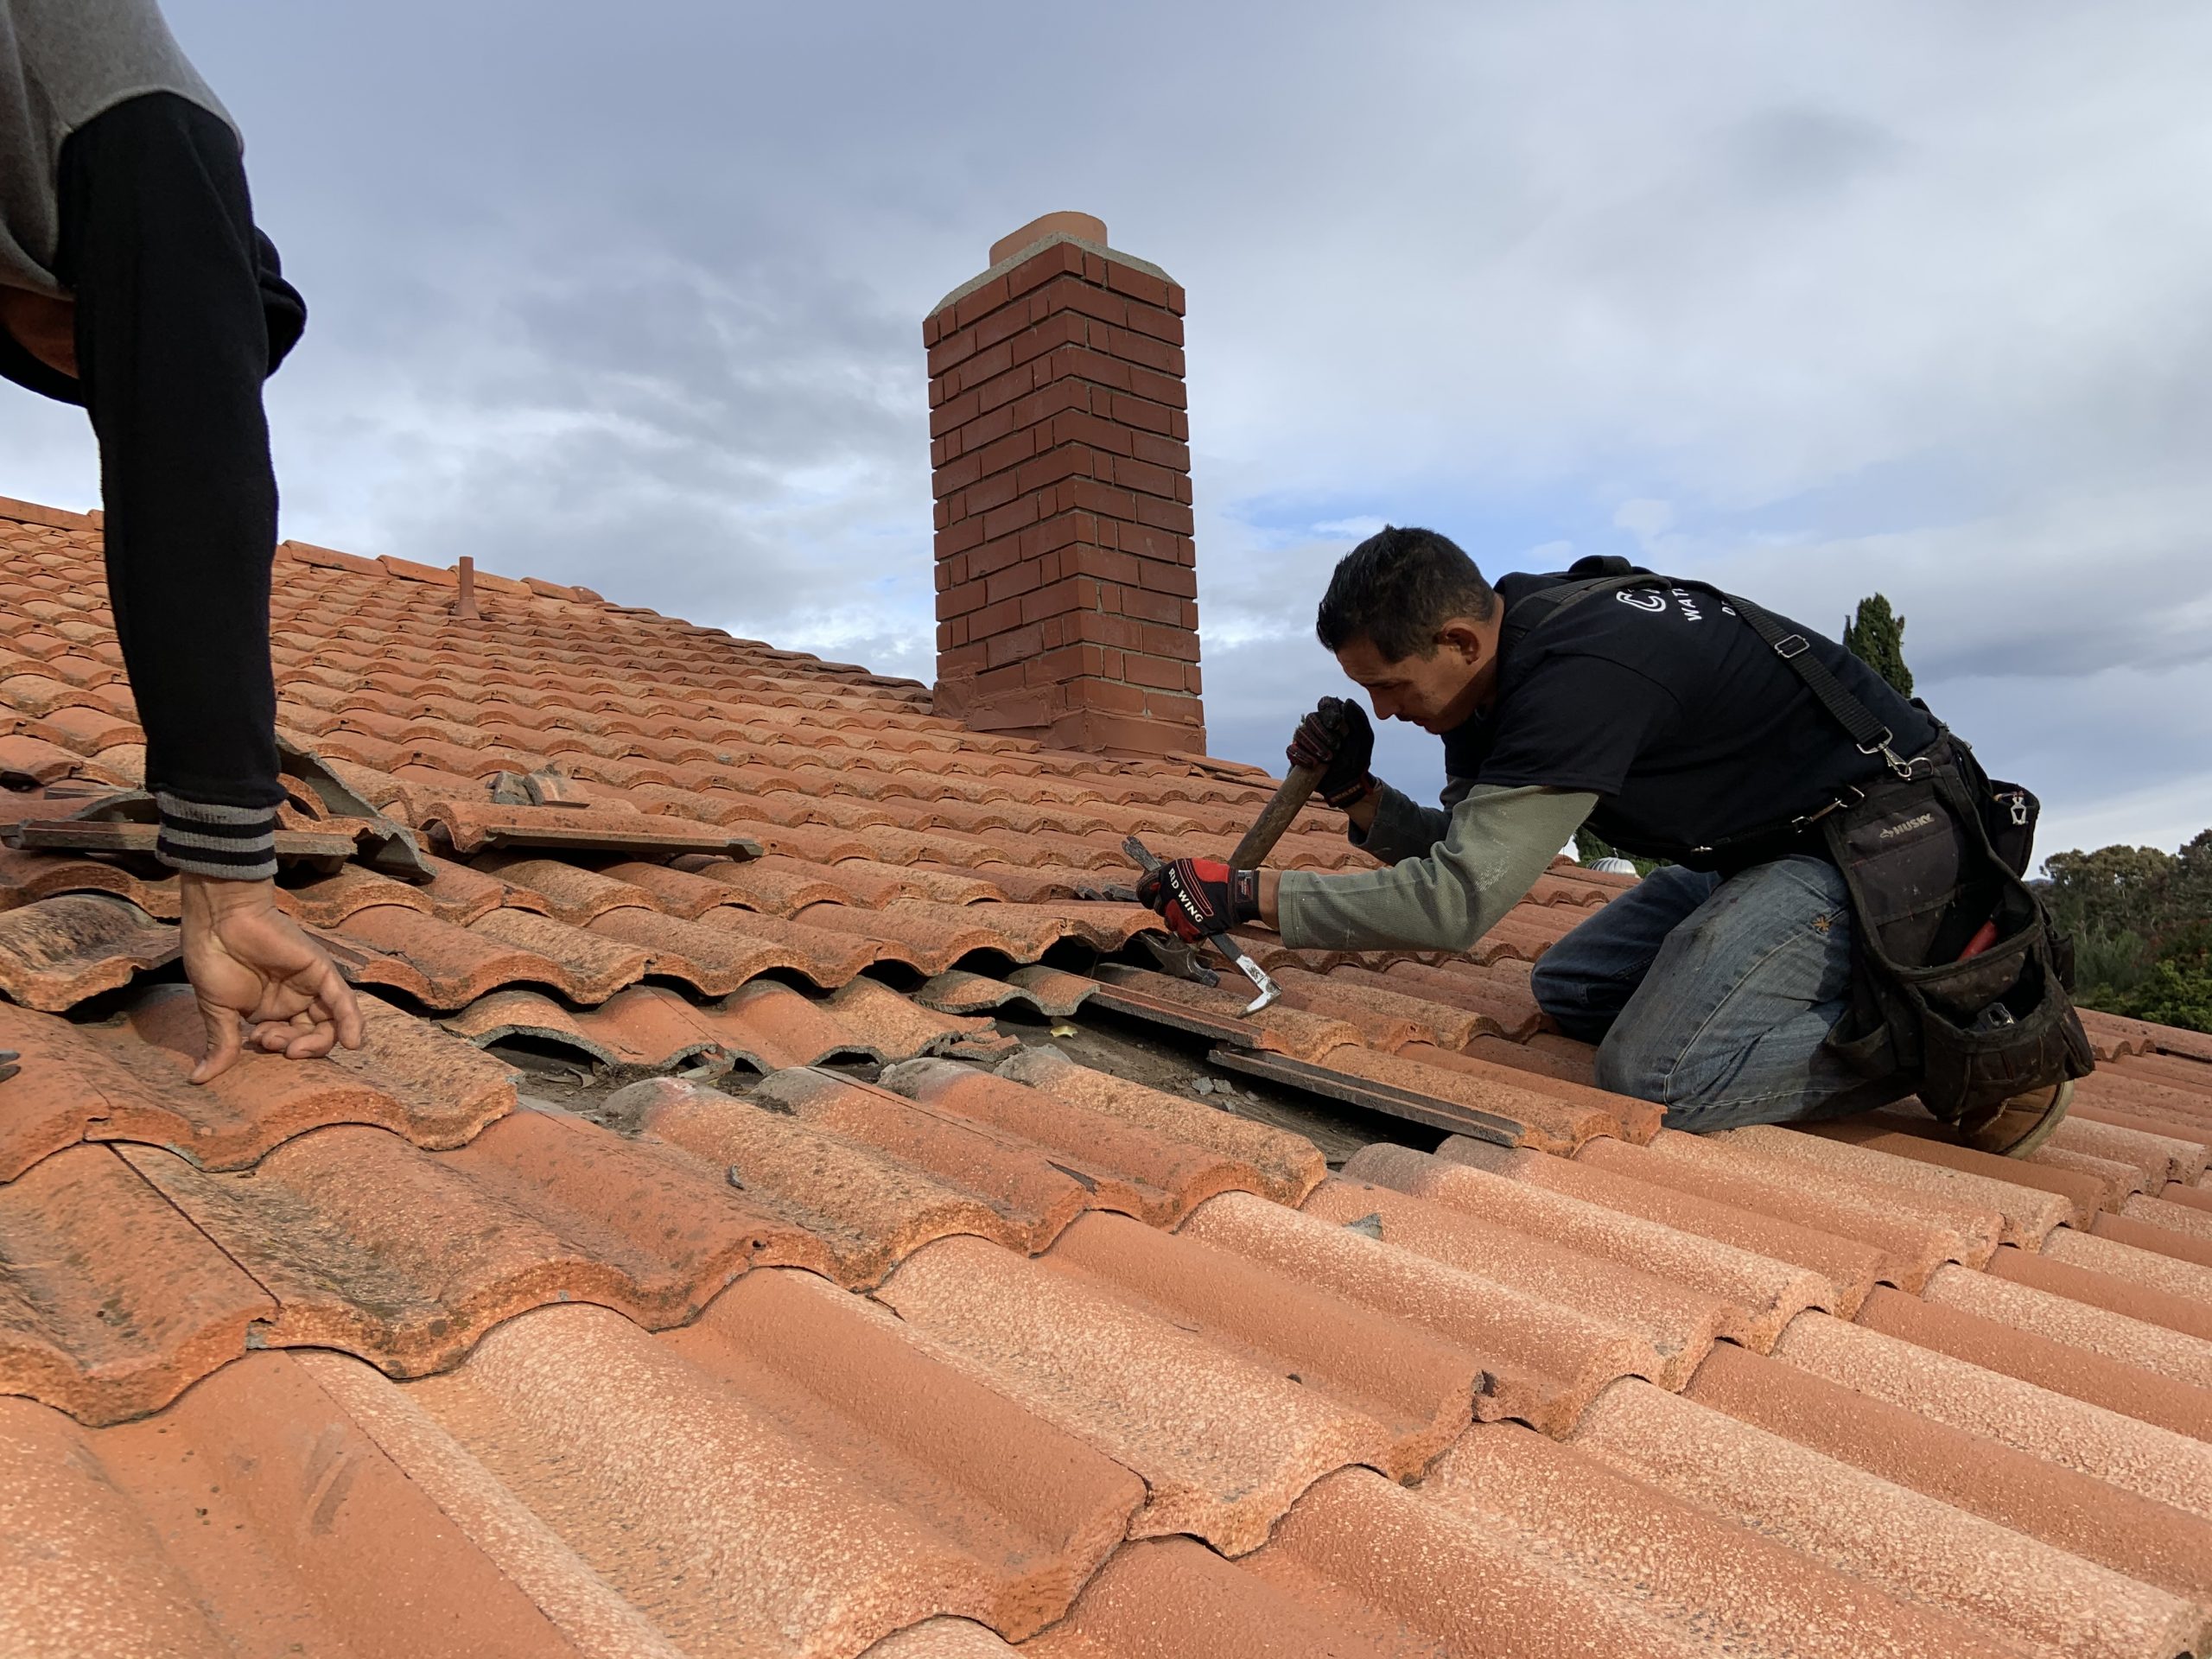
(1876, 637)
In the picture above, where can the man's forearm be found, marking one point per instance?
(158, 245)
(1500, 840)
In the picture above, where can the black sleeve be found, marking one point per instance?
(1577, 723)
(172, 343)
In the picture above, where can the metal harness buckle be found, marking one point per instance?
(1897, 763)
(1797, 644)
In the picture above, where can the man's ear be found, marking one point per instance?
(1463, 639)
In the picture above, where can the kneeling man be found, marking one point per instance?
(1657, 715)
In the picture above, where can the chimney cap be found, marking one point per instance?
(1087, 226)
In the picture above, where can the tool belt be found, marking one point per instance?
(1960, 976)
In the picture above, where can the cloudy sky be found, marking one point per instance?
(1814, 300)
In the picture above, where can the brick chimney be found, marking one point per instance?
(1067, 586)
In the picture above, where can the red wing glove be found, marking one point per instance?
(1337, 741)
(1201, 896)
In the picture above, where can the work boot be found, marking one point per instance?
(2015, 1128)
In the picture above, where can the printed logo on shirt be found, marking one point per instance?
(1643, 601)
(1683, 598)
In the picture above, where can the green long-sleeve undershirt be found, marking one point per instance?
(1450, 876)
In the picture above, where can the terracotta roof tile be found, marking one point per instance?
(2141, 1457)
(726, 947)
(1048, 990)
(870, 1208)
(56, 952)
(1276, 1163)
(2047, 1370)
(1222, 1452)
(2037, 1498)
(110, 1301)
(407, 1257)
(1808, 1544)
(1913, 1242)
(2158, 1375)
(786, 1541)
(1122, 1163)
(1847, 1266)
(253, 1510)
(1760, 1293)
(1673, 1323)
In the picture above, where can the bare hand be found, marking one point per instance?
(257, 977)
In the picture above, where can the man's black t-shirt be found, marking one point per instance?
(1662, 703)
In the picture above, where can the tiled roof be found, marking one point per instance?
(864, 1319)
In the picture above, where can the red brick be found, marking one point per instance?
(1009, 451)
(1035, 408)
(958, 539)
(1141, 413)
(1068, 460)
(955, 347)
(1073, 294)
(1142, 475)
(1034, 273)
(1178, 426)
(947, 414)
(1141, 349)
(960, 660)
(947, 636)
(1089, 495)
(960, 600)
(999, 618)
(1139, 285)
(1162, 326)
(1154, 544)
(981, 304)
(1175, 299)
(1189, 617)
(1168, 579)
(1164, 515)
(1068, 663)
(1108, 564)
(1018, 578)
(983, 430)
(957, 476)
(1066, 328)
(995, 556)
(982, 366)
(1148, 606)
(942, 515)
(1004, 521)
(1173, 705)
(1018, 711)
(1154, 672)
(1166, 640)
(1111, 695)
(1069, 594)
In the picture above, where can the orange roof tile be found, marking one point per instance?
(1129, 1374)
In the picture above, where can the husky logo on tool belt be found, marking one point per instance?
(1922, 822)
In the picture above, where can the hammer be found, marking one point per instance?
(1177, 958)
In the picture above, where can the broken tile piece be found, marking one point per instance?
(55, 952)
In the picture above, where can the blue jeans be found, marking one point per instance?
(1713, 997)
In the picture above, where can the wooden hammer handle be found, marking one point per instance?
(1288, 801)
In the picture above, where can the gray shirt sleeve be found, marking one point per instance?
(1498, 842)
(1403, 828)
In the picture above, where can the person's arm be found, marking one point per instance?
(1392, 826)
(174, 338)
(1499, 841)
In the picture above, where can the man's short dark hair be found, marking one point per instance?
(1396, 588)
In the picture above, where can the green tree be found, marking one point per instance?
(1876, 637)
(2177, 991)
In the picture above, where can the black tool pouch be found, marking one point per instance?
(1934, 864)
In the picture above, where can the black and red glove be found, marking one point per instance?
(1337, 741)
(1199, 896)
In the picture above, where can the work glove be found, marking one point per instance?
(1198, 896)
(1337, 741)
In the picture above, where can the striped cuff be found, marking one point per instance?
(233, 843)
